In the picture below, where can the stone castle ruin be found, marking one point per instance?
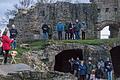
(29, 22)
(97, 15)
(108, 15)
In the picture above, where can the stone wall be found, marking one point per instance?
(107, 9)
(29, 22)
(37, 59)
(95, 52)
(44, 60)
(108, 13)
(28, 75)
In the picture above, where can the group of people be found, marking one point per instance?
(71, 30)
(7, 42)
(87, 70)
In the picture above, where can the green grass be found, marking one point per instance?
(34, 45)
(89, 42)
(40, 44)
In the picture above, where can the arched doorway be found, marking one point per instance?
(112, 30)
(105, 33)
(62, 59)
(115, 55)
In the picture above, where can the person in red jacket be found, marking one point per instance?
(6, 45)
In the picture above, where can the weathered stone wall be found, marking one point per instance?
(109, 15)
(29, 75)
(107, 9)
(29, 22)
(95, 52)
(45, 59)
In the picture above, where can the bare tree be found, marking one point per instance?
(10, 13)
(77, 1)
(23, 4)
(46, 1)
(68, 0)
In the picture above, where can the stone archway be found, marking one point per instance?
(115, 56)
(93, 51)
(113, 27)
(62, 59)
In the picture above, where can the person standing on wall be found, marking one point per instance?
(60, 29)
(77, 29)
(71, 31)
(50, 32)
(66, 28)
(6, 45)
(13, 35)
(83, 29)
(45, 30)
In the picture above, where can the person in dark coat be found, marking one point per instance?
(75, 66)
(108, 69)
(89, 69)
(50, 32)
(98, 73)
(82, 71)
(72, 61)
(45, 30)
(13, 35)
(6, 45)
(71, 30)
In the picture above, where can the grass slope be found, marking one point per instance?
(40, 44)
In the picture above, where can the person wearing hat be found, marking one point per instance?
(13, 35)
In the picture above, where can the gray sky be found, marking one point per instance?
(8, 4)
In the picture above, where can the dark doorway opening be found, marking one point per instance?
(62, 59)
(115, 55)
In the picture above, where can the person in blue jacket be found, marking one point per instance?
(60, 29)
(82, 71)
